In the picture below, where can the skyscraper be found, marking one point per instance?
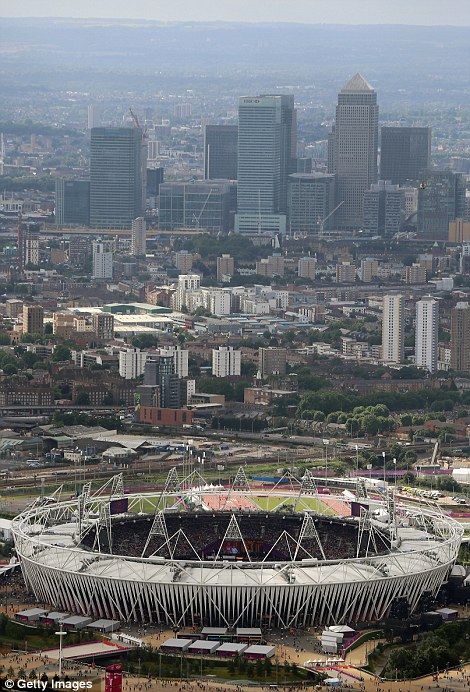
(155, 177)
(160, 372)
(94, 115)
(102, 259)
(310, 200)
(33, 319)
(220, 152)
(267, 142)
(226, 361)
(307, 268)
(441, 199)
(352, 154)
(139, 237)
(272, 361)
(393, 329)
(225, 267)
(426, 333)
(132, 363)
(384, 208)
(117, 172)
(72, 202)
(404, 153)
(203, 204)
(460, 338)
(103, 325)
(31, 245)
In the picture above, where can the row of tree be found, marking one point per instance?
(443, 648)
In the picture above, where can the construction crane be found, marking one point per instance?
(435, 453)
(136, 122)
(321, 222)
(197, 218)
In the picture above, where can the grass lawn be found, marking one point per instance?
(270, 502)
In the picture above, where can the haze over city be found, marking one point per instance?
(422, 12)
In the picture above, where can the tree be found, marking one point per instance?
(82, 398)
(108, 399)
(353, 425)
(202, 312)
(61, 354)
(248, 369)
(259, 668)
(10, 369)
(215, 385)
(145, 341)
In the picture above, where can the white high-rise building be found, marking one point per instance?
(226, 361)
(2, 153)
(216, 301)
(102, 259)
(153, 150)
(180, 356)
(94, 115)
(139, 237)
(186, 283)
(132, 363)
(393, 334)
(426, 342)
(189, 282)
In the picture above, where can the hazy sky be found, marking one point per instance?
(443, 12)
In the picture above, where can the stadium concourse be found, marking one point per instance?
(194, 553)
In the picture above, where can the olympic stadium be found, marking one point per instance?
(240, 555)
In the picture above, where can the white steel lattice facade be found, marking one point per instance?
(216, 592)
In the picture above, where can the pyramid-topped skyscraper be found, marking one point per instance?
(352, 149)
(357, 84)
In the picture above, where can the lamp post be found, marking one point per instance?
(383, 455)
(61, 634)
(326, 443)
(395, 471)
(357, 461)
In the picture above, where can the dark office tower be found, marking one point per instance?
(304, 164)
(404, 153)
(160, 372)
(72, 202)
(384, 208)
(220, 152)
(204, 204)
(441, 199)
(116, 176)
(267, 141)
(460, 338)
(352, 146)
(155, 177)
(310, 200)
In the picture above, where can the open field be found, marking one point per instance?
(270, 502)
